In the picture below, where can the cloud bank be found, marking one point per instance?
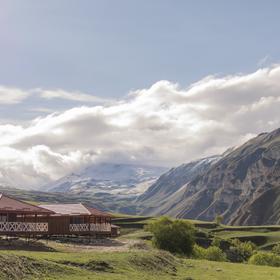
(160, 125)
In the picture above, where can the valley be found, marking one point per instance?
(242, 186)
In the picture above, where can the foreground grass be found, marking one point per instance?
(135, 264)
(78, 263)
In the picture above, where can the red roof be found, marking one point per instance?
(8, 204)
(74, 209)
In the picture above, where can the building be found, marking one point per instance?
(17, 217)
(23, 219)
(78, 219)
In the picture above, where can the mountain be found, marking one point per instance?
(157, 196)
(108, 178)
(242, 185)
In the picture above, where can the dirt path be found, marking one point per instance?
(103, 245)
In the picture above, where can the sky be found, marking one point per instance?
(157, 82)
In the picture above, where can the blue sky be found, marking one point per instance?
(108, 48)
(203, 76)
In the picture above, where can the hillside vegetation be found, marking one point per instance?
(137, 259)
(135, 264)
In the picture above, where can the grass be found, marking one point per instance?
(206, 270)
(64, 261)
(261, 237)
(124, 265)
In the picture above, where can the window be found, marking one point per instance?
(76, 220)
(3, 217)
(12, 217)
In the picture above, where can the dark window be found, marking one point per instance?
(12, 217)
(3, 217)
(76, 220)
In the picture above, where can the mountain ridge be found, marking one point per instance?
(234, 186)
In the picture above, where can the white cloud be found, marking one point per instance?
(74, 96)
(10, 95)
(162, 125)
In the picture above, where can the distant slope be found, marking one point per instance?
(107, 202)
(154, 200)
(108, 178)
(243, 186)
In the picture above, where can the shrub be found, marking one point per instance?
(218, 219)
(276, 249)
(176, 236)
(212, 253)
(216, 242)
(240, 251)
(262, 258)
(246, 244)
(199, 252)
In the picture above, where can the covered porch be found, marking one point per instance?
(18, 217)
(91, 224)
(78, 219)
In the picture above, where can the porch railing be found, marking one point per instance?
(90, 227)
(23, 227)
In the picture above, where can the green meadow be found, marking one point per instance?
(134, 264)
(137, 260)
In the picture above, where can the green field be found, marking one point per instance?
(262, 236)
(135, 260)
(134, 264)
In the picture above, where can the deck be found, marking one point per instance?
(90, 228)
(26, 227)
(21, 227)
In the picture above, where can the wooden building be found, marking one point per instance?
(23, 219)
(78, 219)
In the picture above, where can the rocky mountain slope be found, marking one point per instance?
(243, 186)
(155, 199)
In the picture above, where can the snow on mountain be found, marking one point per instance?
(108, 178)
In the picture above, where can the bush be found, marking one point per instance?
(212, 253)
(218, 220)
(175, 236)
(216, 242)
(276, 249)
(240, 251)
(261, 258)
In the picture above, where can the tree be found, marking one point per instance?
(176, 236)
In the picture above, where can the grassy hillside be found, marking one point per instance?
(57, 260)
(263, 236)
(135, 264)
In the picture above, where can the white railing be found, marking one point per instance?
(90, 227)
(79, 227)
(100, 227)
(23, 227)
